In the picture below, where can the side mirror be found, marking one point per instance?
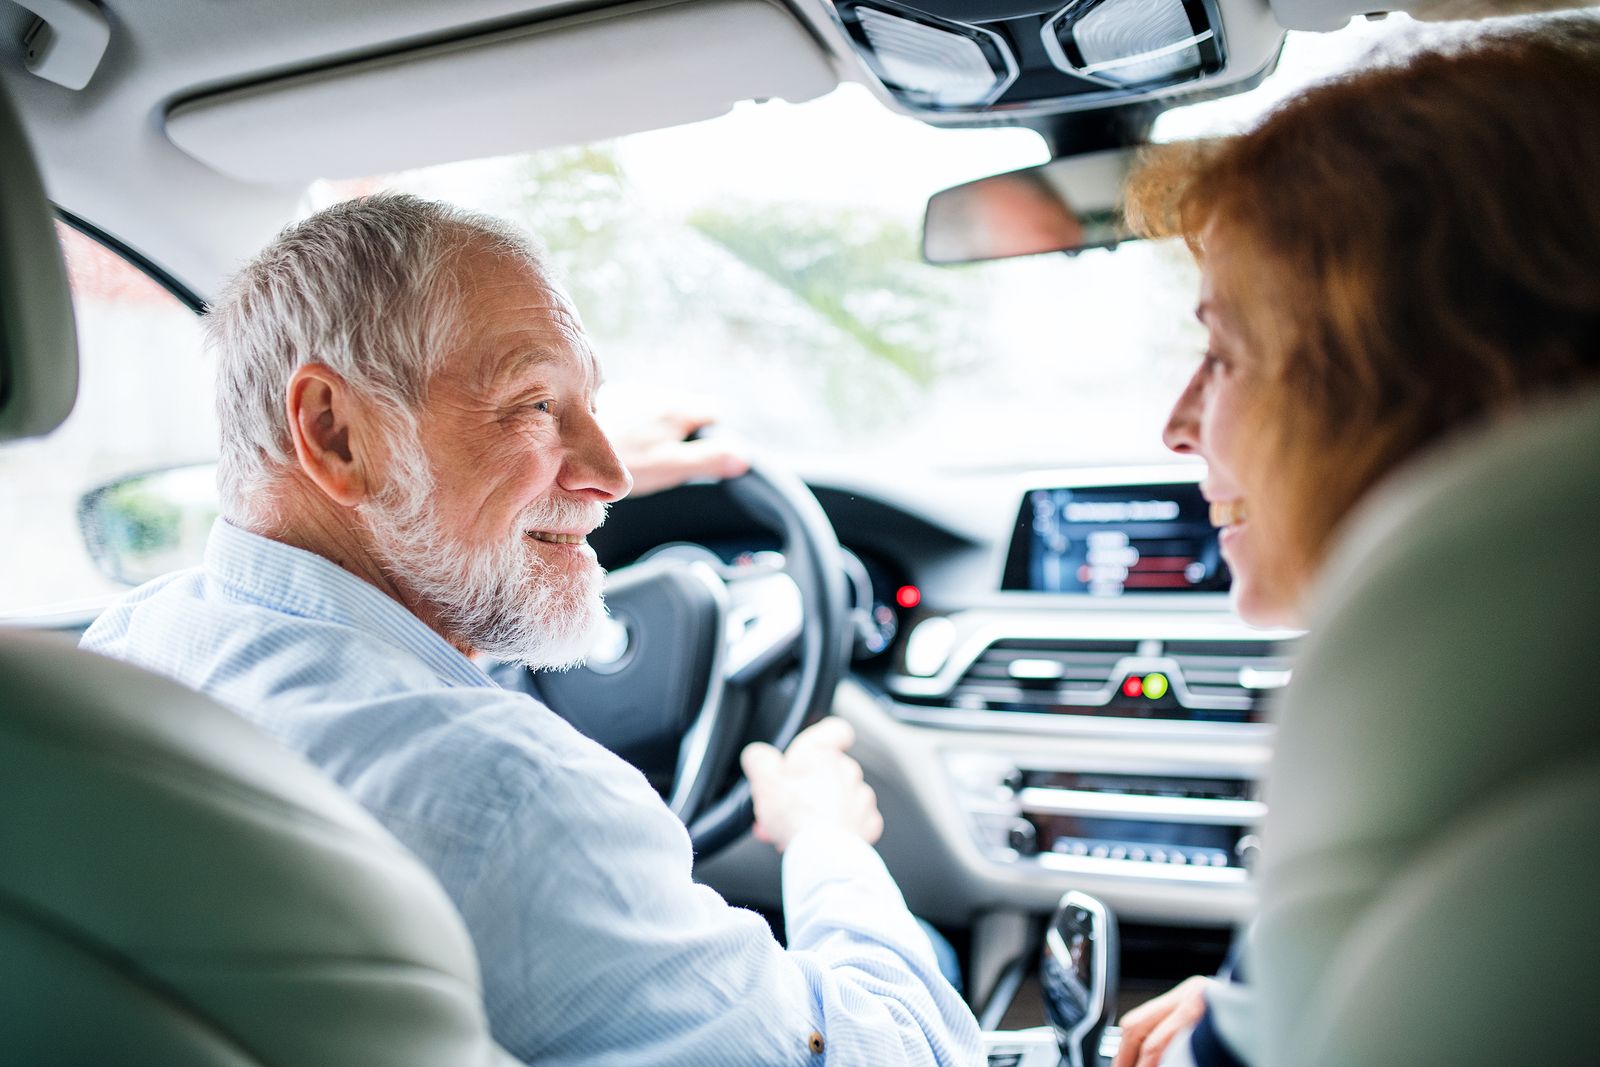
(1079, 974)
(1066, 205)
(144, 525)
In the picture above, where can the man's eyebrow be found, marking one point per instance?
(523, 357)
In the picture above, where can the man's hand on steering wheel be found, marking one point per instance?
(811, 785)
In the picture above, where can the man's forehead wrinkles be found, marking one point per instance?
(530, 356)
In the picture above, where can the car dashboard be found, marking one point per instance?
(1049, 689)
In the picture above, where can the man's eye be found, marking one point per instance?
(544, 407)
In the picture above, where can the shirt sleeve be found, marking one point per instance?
(597, 945)
(872, 970)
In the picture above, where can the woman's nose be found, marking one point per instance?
(1182, 431)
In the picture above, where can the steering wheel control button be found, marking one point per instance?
(612, 643)
(929, 646)
(815, 1043)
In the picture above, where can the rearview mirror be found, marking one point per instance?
(142, 526)
(1066, 205)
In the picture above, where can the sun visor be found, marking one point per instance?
(560, 82)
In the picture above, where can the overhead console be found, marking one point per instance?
(949, 57)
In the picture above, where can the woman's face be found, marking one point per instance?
(1218, 417)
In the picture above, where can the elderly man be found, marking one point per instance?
(410, 465)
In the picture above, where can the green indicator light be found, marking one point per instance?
(1155, 686)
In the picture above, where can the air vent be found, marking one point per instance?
(1180, 680)
(1248, 669)
(1035, 675)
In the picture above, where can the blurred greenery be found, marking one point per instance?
(138, 520)
(860, 273)
(836, 293)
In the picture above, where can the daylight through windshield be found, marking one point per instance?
(766, 260)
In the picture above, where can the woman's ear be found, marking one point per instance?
(332, 431)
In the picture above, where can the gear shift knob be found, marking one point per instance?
(1079, 974)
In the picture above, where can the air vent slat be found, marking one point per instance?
(1224, 680)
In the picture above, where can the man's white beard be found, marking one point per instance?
(502, 599)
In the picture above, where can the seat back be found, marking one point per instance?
(1429, 864)
(175, 888)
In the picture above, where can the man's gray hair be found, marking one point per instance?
(368, 287)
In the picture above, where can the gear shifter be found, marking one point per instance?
(1079, 974)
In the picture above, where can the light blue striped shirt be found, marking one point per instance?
(596, 944)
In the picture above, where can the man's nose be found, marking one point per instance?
(1182, 431)
(592, 465)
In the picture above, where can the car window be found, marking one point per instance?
(144, 401)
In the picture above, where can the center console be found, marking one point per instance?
(1104, 716)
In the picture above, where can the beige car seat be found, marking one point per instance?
(175, 888)
(1431, 863)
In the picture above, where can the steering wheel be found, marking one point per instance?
(700, 656)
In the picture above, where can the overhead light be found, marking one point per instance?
(1135, 43)
(930, 62)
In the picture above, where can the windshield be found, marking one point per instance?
(768, 260)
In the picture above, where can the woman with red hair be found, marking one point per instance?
(1389, 260)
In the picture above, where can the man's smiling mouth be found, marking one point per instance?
(556, 538)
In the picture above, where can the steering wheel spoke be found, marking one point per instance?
(766, 614)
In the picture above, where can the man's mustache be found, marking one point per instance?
(564, 515)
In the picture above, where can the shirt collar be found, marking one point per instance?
(302, 583)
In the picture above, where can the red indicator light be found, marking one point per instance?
(1132, 686)
(908, 596)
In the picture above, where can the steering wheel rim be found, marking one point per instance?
(811, 553)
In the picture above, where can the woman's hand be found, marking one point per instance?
(1148, 1029)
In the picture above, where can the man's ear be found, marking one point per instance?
(332, 433)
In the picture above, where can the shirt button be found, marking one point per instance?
(815, 1043)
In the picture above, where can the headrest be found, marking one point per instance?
(1435, 768)
(38, 345)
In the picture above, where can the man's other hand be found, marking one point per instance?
(811, 784)
(1148, 1029)
(648, 434)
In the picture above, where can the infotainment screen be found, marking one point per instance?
(1113, 541)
